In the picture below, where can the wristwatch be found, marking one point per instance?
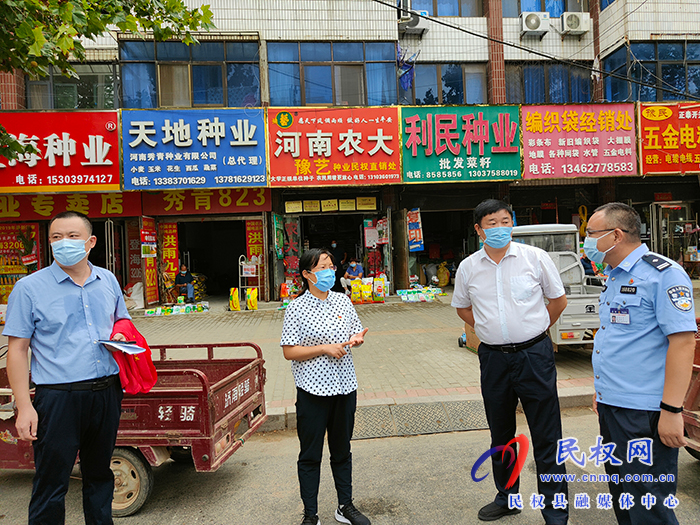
(669, 408)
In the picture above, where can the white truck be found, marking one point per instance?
(579, 322)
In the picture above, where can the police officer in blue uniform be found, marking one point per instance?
(642, 362)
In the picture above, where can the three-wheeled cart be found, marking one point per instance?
(200, 411)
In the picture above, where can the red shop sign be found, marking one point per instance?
(334, 146)
(669, 138)
(44, 206)
(197, 202)
(78, 151)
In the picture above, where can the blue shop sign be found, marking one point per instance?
(205, 148)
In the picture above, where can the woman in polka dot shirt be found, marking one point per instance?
(320, 328)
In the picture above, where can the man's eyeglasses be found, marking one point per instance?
(588, 232)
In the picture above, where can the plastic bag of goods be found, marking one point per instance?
(443, 275)
(234, 303)
(366, 292)
(378, 292)
(356, 291)
(251, 298)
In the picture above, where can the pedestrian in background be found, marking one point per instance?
(61, 312)
(320, 328)
(647, 318)
(500, 291)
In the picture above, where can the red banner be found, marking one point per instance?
(669, 138)
(77, 151)
(44, 206)
(170, 255)
(334, 146)
(134, 250)
(150, 266)
(198, 202)
(19, 255)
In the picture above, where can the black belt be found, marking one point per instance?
(93, 384)
(511, 348)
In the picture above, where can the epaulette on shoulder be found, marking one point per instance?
(656, 261)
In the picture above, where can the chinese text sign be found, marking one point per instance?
(595, 140)
(334, 146)
(43, 206)
(172, 149)
(456, 144)
(76, 151)
(669, 138)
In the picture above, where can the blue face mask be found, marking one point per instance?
(498, 237)
(590, 248)
(69, 252)
(353, 264)
(325, 279)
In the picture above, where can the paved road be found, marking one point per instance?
(419, 480)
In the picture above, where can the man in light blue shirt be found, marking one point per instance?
(61, 312)
(642, 361)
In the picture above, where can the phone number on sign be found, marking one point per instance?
(599, 167)
(79, 179)
(239, 179)
(179, 181)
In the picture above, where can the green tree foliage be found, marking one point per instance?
(36, 34)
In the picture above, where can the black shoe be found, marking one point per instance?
(311, 520)
(349, 514)
(493, 511)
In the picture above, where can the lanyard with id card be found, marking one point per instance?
(620, 315)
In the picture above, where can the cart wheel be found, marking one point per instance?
(693, 452)
(460, 342)
(181, 455)
(133, 481)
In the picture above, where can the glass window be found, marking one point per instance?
(643, 72)
(137, 51)
(447, 7)
(533, 77)
(381, 83)
(282, 52)
(318, 85)
(285, 86)
(315, 52)
(580, 85)
(554, 7)
(605, 3)
(172, 51)
(423, 5)
(670, 51)
(380, 51)
(475, 84)
(174, 86)
(139, 86)
(348, 52)
(616, 89)
(510, 8)
(38, 95)
(208, 51)
(452, 84)
(93, 90)
(530, 5)
(65, 96)
(426, 85)
(616, 60)
(207, 85)
(349, 86)
(243, 51)
(514, 85)
(243, 85)
(472, 8)
(672, 76)
(558, 84)
(642, 51)
(693, 51)
(694, 80)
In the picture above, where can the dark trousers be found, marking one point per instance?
(71, 422)
(315, 416)
(619, 425)
(531, 376)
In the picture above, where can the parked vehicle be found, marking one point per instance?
(200, 411)
(579, 322)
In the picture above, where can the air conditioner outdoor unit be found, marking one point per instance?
(575, 23)
(416, 25)
(534, 24)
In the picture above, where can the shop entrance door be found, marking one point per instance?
(668, 220)
(108, 250)
(399, 239)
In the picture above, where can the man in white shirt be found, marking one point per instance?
(500, 291)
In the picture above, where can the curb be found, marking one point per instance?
(285, 418)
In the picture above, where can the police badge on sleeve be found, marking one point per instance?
(681, 297)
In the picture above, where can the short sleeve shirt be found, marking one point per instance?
(309, 321)
(647, 304)
(357, 270)
(507, 298)
(64, 321)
